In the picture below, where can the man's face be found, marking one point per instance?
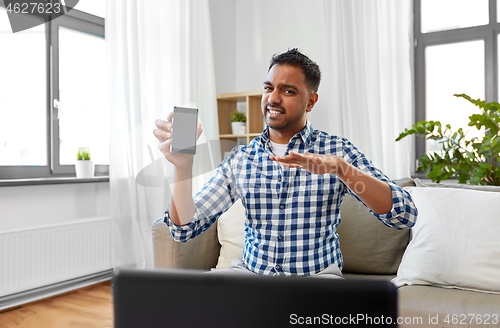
(286, 99)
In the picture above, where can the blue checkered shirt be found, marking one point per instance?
(292, 214)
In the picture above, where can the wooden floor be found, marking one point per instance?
(84, 308)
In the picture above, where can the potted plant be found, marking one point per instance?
(471, 160)
(238, 122)
(84, 166)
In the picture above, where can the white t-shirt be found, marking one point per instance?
(279, 149)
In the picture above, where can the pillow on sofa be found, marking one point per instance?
(231, 233)
(367, 245)
(455, 240)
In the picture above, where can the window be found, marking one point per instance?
(456, 52)
(83, 113)
(23, 132)
(54, 94)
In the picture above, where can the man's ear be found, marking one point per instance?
(313, 98)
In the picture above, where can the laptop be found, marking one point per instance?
(188, 298)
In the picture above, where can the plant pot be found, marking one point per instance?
(239, 127)
(84, 169)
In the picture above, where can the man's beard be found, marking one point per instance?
(269, 121)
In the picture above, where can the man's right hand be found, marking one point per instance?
(164, 135)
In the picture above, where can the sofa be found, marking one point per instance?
(447, 267)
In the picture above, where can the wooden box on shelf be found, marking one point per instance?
(226, 104)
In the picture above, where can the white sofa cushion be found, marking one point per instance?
(455, 241)
(231, 233)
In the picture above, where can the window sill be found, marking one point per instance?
(50, 181)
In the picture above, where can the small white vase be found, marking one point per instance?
(239, 127)
(84, 169)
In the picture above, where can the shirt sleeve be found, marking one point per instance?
(215, 198)
(403, 214)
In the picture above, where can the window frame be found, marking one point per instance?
(75, 20)
(488, 33)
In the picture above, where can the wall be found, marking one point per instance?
(223, 24)
(31, 206)
(246, 34)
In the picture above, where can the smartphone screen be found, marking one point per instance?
(184, 130)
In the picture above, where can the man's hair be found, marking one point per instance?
(294, 57)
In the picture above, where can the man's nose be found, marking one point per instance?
(274, 97)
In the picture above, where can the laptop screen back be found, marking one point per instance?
(186, 298)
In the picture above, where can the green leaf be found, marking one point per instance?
(496, 150)
(478, 102)
(464, 167)
(404, 134)
(475, 180)
(484, 166)
(463, 177)
(470, 155)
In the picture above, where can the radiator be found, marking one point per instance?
(32, 258)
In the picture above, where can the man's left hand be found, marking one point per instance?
(314, 163)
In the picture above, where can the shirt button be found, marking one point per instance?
(279, 179)
(278, 267)
(280, 237)
(282, 206)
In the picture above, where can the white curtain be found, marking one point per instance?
(371, 46)
(159, 56)
(364, 48)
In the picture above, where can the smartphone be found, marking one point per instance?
(184, 130)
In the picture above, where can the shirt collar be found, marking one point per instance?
(305, 134)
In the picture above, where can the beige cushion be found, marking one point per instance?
(455, 240)
(387, 277)
(367, 245)
(198, 253)
(428, 302)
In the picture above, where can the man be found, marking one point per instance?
(291, 180)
